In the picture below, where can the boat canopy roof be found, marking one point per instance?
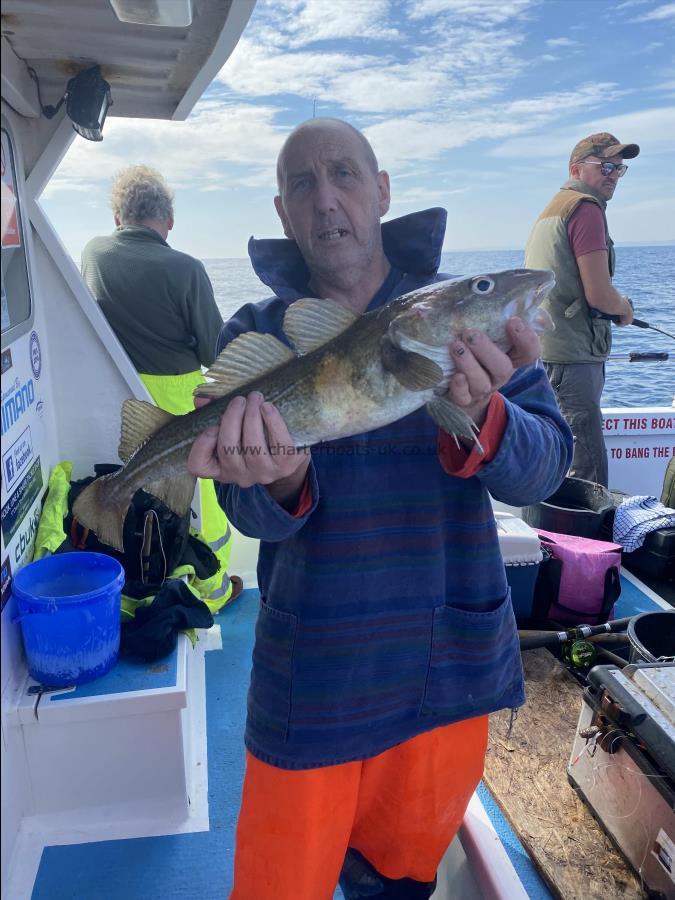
(154, 71)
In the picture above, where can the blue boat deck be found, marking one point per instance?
(198, 866)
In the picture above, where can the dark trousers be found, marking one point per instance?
(578, 389)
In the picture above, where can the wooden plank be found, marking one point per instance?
(526, 773)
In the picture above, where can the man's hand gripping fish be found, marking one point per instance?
(350, 374)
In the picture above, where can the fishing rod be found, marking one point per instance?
(638, 323)
(579, 647)
(619, 638)
(641, 356)
(550, 638)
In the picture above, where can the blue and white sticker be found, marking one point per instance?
(35, 354)
(19, 503)
(17, 458)
(6, 360)
(6, 582)
(16, 401)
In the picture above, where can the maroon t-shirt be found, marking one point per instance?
(586, 229)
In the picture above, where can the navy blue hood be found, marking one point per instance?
(412, 243)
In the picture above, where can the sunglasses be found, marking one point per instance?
(608, 167)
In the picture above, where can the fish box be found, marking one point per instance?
(656, 557)
(522, 554)
(623, 765)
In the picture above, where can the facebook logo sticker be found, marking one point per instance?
(17, 459)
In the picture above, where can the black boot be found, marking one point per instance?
(359, 879)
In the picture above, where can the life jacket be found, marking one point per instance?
(158, 544)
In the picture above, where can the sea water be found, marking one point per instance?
(645, 273)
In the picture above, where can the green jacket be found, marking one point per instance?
(578, 337)
(158, 301)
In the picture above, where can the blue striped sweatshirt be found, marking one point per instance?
(385, 611)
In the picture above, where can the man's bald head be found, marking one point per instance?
(318, 125)
(331, 199)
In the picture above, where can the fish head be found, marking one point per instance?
(432, 317)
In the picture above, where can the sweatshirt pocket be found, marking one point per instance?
(474, 661)
(269, 696)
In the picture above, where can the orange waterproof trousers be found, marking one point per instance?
(400, 809)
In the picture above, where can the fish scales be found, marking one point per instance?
(366, 372)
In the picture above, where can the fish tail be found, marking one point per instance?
(102, 507)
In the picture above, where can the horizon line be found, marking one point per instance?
(511, 249)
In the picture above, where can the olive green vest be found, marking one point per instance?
(577, 338)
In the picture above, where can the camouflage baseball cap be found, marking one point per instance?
(602, 145)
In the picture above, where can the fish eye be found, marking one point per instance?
(482, 285)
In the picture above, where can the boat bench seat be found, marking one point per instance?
(123, 743)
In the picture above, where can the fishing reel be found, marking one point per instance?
(579, 654)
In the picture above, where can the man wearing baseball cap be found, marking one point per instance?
(571, 237)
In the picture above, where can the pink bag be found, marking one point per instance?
(579, 583)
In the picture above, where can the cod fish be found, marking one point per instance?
(350, 374)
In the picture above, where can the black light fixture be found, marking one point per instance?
(87, 99)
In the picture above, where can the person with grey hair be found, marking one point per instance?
(160, 304)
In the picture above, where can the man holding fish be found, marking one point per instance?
(385, 634)
(362, 459)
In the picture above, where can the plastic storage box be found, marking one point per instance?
(522, 554)
(656, 557)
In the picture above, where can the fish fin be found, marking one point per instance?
(140, 420)
(454, 420)
(414, 371)
(102, 508)
(311, 323)
(246, 357)
(177, 493)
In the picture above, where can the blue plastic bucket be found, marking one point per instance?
(69, 609)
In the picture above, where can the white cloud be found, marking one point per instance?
(291, 24)
(483, 12)
(627, 4)
(401, 140)
(389, 88)
(255, 71)
(218, 146)
(320, 20)
(458, 67)
(562, 42)
(653, 129)
(659, 14)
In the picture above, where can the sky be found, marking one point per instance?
(473, 105)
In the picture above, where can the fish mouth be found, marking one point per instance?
(541, 321)
(332, 234)
(546, 284)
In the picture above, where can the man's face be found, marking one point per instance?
(590, 173)
(331, 202)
